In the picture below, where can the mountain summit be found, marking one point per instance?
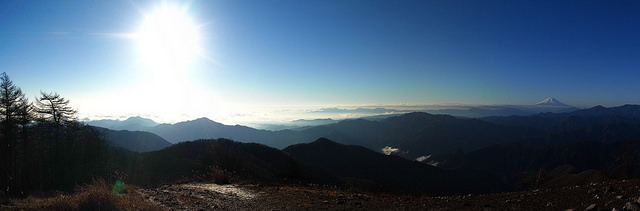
(550, 101)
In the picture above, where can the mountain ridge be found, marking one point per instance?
(362, 167)
(134, 123)
(136, 141)
(415, 134)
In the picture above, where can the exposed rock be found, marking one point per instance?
(358, 204)
(631, 206)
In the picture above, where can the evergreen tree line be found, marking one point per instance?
(43, 146)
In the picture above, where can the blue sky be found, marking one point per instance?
(257, 56)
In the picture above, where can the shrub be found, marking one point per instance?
(95, 196)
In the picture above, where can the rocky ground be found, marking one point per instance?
(619, 195)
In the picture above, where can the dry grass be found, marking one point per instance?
(96, 196)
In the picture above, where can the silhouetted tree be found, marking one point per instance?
(11, 102)
(25, 113)
(54, 115)
(54, 153)
(70, 152)
(53, 108)
(24, 118)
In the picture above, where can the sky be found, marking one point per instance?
(238, 61)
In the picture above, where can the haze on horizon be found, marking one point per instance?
(235, 61)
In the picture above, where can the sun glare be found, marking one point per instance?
(168, 41)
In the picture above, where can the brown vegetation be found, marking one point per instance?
(95, 196)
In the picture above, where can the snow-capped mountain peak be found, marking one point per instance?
(550, 101)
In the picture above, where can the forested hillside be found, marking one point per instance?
(43, 147)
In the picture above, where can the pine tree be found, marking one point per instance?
(12, 101)
(52, 108)
(24, 120)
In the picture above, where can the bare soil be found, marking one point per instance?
(200, 196)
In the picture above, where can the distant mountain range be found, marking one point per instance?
(548, 105)
(540, 150)
(423, 133)
(556, 122)
(298, 124)
(470, 111)
(419, 134)
(132, 123)
(203, 128)
(410, 135)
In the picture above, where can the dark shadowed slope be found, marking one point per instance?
(570, 164)
(356, 132)
(363, 168)
(221, 161)
(599, 133)
(425, 134)
(418, 134)
(137, 141)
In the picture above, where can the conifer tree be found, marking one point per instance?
(51, 107)
(12, 101)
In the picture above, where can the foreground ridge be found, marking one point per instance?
(613, 195)
(606, 195)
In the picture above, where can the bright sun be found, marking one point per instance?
(168, 41)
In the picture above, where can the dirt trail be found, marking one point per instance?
(229, 190)
(198, 196)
